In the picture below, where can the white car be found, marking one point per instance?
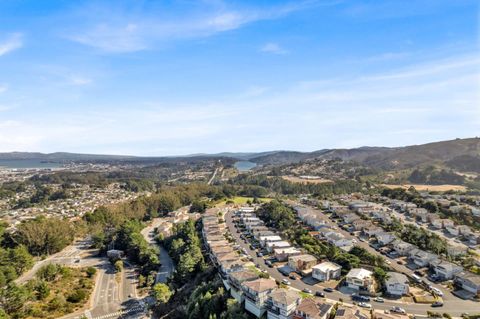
(437, 291)
(388, 262)
(398, 310)
(365, 305)
(354, 241)
(286, 282)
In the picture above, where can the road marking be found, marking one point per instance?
(119, 313)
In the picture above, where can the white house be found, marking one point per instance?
(337, 239)
(402, 248)
(360, 279)
(326, 271)
(236, 279)
(268, 239)
(396, 284)
(422, 258)
(277, 244)
(446, 270)
(282, 304)
(256, 295)
(384, 238)
(468, 281)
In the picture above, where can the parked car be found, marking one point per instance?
(400, 262)
(437, 291)
(360, 298)
(292, 276)
(268, 263)
(286, 282)
(379, 299)
(365, 305)
(320, 294)
(328, 289)
(308, 291)
(437, 304)
(398, 310)
(259, 254)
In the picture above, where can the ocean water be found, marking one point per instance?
(27, 164)
(244, 166)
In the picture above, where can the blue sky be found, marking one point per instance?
(180, 77)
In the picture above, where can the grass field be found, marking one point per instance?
(433, 188)
(239, 200)
(295, 179)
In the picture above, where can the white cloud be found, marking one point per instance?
(123, 31)
(10, 43)
(438, 101)
(274, 48)
(79, 80)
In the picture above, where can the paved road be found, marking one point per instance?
(454, 307)
(166, 263)
(213, 176)
(76, 255)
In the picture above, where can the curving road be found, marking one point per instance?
(452, 305)
(166, 263)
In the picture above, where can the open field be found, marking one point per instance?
(434, 188)
(239, 200)
(295, 179)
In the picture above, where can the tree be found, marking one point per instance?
(91, 271)
(162, 293)
(380, 275)
(42, 290)
(20, 259)
(118, 265)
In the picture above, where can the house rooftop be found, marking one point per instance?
(313, 309)
(327, 265)
(260, 285)
(359, 273)
(396, 278)
(285, 296)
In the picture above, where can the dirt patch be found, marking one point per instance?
(307, 180)
(433, 188)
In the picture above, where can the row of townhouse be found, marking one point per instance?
(261, 296)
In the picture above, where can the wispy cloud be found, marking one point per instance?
(274, 48)
(10, 43)
(438, 101)
(123, 31)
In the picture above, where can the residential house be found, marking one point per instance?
(337, 239)
(344, 312)
(432, 216)
(384, 238)
(453, 231)
(382, 315)
(236, 279)
(446, 270)
(455, 250)
(402, 248)
(302, 263)
(256, 294)
(310, 308)
(464, 230)
(419, 214)
(422, 258)
(268, 239)
(349, 218)
(372, 230)
(282, 254)
(396, 284)
(282, 303)
(277, 244)
(468, 281)
(326, 271)
(360, 224)
(360, 279)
